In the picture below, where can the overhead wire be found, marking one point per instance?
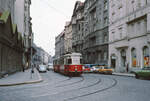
(57, 10)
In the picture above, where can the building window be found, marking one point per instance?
(99, 56)
(133, 54)
(105, 55)
(105, 38)
(139, 3)
(112, 3)
(105, 5)
(79, 27)
(120, 32)
(139, 27)
(132, 1)
(105, 20)
(146, 56)
(113, 36)
(113, 13)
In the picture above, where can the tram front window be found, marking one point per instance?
(69, 61)
(81, 61)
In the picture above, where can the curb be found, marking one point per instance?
(123, 75)
(23, 83)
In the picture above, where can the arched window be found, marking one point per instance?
(133, 54)
(146, 56)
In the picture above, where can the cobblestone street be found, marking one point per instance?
(88, 87)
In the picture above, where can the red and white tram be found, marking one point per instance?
(69, 64)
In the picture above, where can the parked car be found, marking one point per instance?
(42, 68)
(105, 70)
(86, 69)
(95, 69)
(50, 67)
(144, 73)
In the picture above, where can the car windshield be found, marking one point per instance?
(42, 66)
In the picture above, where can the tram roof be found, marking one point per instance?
(73, 54)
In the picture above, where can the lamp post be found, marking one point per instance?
(31, 62)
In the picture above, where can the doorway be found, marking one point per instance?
(113, 63)
(123, 58)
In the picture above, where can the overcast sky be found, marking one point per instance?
(48, 18)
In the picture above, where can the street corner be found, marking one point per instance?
(24, 78)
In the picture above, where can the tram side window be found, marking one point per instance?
(62, 61)
(54, 62)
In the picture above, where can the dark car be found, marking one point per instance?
(144, 73)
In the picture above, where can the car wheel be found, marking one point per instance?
(136, 76)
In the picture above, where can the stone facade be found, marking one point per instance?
(129, 34)
(40, 56)
(89, 32)
(59, 45)
(8, 5)
(77, 27)
(15, 17)
(68, 37)
(11, 46)
(23, 21)
(96, 31)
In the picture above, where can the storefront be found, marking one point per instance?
(146, 56)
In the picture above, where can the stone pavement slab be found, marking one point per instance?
(21, 78)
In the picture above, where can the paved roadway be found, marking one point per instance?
(89, 87)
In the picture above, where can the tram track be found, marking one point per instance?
(72, 83)
(97, 91)
(96, 83)
(43, 84)
(65, 80)
(93, 84)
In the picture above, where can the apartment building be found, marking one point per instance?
(96, 31)
(129, 34)
(78, 27)
(59, 45)
(68, 37)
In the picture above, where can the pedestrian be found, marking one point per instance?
(127, 67)
(23, 69)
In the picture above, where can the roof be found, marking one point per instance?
(4, 16)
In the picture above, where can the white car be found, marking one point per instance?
(42, 68)
(50, 67)
(95, 69)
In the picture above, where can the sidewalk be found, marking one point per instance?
(20, 78)
(124, 74)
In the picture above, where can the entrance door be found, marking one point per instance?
(113, 63)
(123, 60)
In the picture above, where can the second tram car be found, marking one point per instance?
(69, 64)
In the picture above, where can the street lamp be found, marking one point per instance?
(31, 63)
